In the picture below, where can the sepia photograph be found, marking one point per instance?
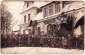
(42, 27)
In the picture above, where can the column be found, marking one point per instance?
(53, 8)
(61, 5)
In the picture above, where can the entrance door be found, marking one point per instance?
(49, 29)
(39, 31)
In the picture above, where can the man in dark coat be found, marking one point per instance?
(69, 41)
(74, 42)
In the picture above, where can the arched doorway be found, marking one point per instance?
(39, 31)
(49, 29)
(81, 24)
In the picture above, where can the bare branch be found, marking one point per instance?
(5, 18)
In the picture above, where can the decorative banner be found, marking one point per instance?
(62, 19)
(49, 21)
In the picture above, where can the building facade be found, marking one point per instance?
(52, 18)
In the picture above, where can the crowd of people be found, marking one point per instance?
(42, 41)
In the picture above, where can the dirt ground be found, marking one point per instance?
(39, 50)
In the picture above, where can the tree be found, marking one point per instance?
(5, 20)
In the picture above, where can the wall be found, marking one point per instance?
(77, 14)
(42, 26)
(32, 13)
(25, 5)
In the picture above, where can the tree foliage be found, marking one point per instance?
(5, 19)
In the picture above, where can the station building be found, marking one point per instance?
(51, 16)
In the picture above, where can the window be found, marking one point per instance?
(24, 18)
(45, 12)
(39, 32)
(28, 17)
(23, 31)
(51, 10)
(57, 7)
(27, 4)
(49, 29)
(30, 32)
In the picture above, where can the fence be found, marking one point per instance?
(30, 41)
(13, 41)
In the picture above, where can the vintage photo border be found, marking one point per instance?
(38, 0)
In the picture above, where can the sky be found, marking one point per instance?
(15, 8)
